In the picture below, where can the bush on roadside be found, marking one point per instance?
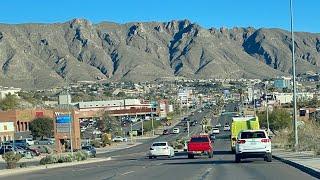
(106, 140)
(80, 156)
(11, 158)
(62, 158)
(95, 143)
(49, 159)
(44, 149)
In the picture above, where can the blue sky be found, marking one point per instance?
(207, 13)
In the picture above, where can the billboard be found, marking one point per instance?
(63, 122)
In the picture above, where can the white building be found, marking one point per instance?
(6, 131)
(185, 97)
(4, 91)
(285, 98)
(113, 104)
(64, 98)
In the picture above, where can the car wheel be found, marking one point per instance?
(190, 156)
(237, 158)
(268, 157)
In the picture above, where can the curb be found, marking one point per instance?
(311, 171)
(8, 172)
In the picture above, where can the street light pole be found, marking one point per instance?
(267, 110)
(294, 82)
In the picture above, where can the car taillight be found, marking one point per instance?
(265, 140)
(165, 148)
(241, 141)
(151, 148)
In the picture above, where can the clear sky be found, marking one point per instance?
(207, 13)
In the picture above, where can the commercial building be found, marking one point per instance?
(6, 131)
(282, 82)
(185, 97)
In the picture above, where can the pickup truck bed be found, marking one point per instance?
(199, 145)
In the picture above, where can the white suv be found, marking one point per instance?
(252, 144)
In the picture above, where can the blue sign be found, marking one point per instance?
(63, 118)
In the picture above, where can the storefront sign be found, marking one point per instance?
(63, 122)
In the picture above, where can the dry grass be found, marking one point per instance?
(309, 138)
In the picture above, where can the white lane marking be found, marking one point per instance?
(127, 173)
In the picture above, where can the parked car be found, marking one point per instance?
(160, 149)
(21, 142)
(5, 148)
(165, 132)
(198, 145)
(30, 141)
(90, 150)
(45, 141)
(176, 131)
(253, 144)
(226, 128)
(33, 151)
(215, 131)
(119, 139)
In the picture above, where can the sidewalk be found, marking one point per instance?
(305, 161)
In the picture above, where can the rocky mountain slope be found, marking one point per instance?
(46, 55)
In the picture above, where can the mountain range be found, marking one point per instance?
(35, 56)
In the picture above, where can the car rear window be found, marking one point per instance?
(159, 144)
(250, 135)
(199, 139)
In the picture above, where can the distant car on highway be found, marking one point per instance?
(253, 144)
(160, 149)
(218, 125)
(226, 128)
(176, 131)
(215, 131)
(198, 145)
(165, 132)
(119, 139)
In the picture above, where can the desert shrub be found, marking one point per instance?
(11, 158)
(80, 156)
(49, 159)
(106, 140)
(95, 143)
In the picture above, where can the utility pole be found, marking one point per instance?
(267, 110)
(70, 116)
(188, 125)
(294, 82)
(152, 119)
(254, 101)
(142, 129)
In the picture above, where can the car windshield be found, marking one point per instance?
(159, 144)
(250, 135)
(199, 139)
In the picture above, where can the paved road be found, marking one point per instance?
(132, 164)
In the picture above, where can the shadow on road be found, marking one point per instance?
(222, 152)
(208, 162)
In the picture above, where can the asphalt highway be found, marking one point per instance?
(132, 164)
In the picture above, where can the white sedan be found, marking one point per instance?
(160, 149)
(215, 131)
(119, 139)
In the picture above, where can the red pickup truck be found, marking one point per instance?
(199, 145)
